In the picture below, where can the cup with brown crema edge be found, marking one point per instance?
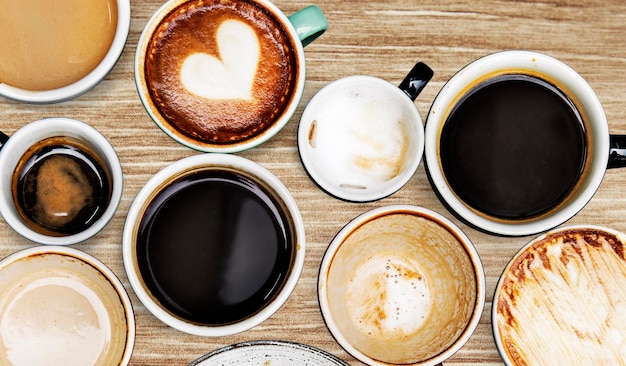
(561, 297)
(61, 306)
(224, 75)
(401, 285)
(61, 181)
(53, 51)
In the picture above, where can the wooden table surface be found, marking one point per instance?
(378, 38)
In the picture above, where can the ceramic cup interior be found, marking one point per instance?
(213, 244)
(563, 288)
(89, 81)
(236, 87)
(573, 174)
(14, 154)
(361, 138)
(401, 285)
(60, 305)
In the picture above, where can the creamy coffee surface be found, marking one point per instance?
(54, 316)
(47, 44)
(563, 299)
(360, 136)
(220, 71)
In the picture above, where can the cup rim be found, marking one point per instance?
(90, 80)
(38, 130)
(145, 196)
(161, 122)
(98, 266)
(344, 232)
(498, 288)
(389, 187)
(517, 60)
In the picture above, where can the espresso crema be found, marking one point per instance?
(46, 45)
(563, 299)
(220, 71)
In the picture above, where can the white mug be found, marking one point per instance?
(35, 133)
(574, 88)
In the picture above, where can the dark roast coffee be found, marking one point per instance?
(60, 187)
(214, 248)
(513, 147)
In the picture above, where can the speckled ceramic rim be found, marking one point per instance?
(199, 163)
(36, 131)
(264, 350)
(307, 154)
(88, 82)
(535, 63)
(106, 273)
(341, 236)
(164, 125)
(498, 289)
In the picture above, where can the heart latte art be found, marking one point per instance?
(220, 71)
(232, 75)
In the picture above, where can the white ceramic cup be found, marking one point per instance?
(62, 306)
(90, 80)
(572, 85)
(561, 297)
(301, 27)
(34, 132)
(148, 200)
(361, 138)
(401, 285)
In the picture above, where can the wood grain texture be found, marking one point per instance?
(378, 38)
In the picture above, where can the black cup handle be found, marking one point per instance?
(416, 80)
(3, 139)
(617, 151)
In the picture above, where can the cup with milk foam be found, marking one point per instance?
(361, 138)
(61, 306)
(401, 285)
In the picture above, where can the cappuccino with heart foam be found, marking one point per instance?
(220, 71)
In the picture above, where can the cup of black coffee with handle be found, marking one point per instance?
(517, 142)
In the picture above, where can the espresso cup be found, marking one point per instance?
(561, 298)
(401, 285)
(81, 43)
(517, 143)
(61, 306)
(224, 76)
(361, 138)
(213, 244)
(60, 181)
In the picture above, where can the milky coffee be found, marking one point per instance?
(401, 288)
(46, 45)
(58, 310)
(220, 71)
(562, 298)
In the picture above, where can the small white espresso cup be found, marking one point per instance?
(90, 80)
(213, 244)
(401, 285)
(361, 138)
(489, 71)
(61, 306)
(29, 141)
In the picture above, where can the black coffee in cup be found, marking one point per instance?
(514, 147)
(214, 247)
(60, 186)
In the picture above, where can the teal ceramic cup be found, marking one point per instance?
(224, 76)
